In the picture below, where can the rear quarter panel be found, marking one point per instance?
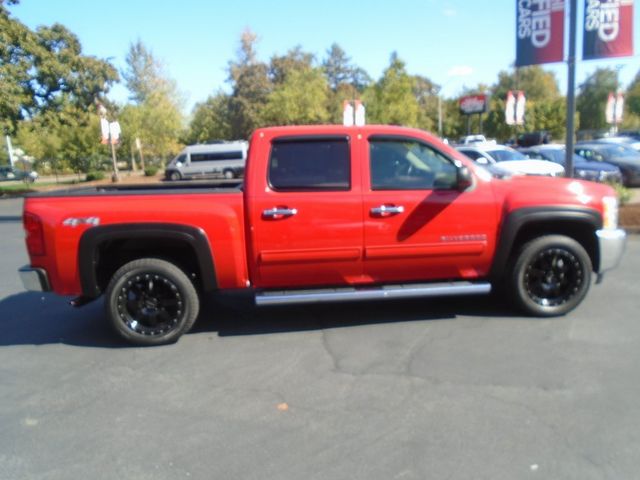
(218, 215)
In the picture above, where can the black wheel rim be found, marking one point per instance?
(553, 277)
(150, 304)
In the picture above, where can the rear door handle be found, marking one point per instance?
(279, 212)
(387, 210)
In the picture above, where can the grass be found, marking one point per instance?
(20, 188)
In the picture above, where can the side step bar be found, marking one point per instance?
(288, 297)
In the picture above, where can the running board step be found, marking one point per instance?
(288, 297)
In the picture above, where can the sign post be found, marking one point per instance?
(110, 135)
(10, 150)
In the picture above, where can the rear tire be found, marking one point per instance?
(228, 174)
(550, 276)
(151, 302)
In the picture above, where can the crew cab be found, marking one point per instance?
(325, 214)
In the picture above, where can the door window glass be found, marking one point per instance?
(409, 165)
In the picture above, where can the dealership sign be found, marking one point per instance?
(608, 29)
(540, 31)
(473, 104)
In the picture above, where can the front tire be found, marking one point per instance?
(550, 276)
(151, 302)
(175, 176)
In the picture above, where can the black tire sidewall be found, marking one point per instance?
(162, 268)
(175, 176)
(526, 254)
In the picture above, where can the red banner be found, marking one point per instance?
(608, 29)
(539, 31)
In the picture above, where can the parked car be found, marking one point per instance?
(501, 160)
(472, 139)
(11, 173)
(582, 168)
(531, 139)
(328, 213)
(220, 159)
(621, 139)
(622, 156)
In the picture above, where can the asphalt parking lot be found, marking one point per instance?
(455, 389)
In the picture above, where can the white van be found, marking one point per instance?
(222, 159)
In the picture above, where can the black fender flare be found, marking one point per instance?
(516, 220)
(91, 240)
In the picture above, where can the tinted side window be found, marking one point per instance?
(213, 156)
(310, 165)
(409, 165)
(472, 154)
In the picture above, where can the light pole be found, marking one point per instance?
(439, 112)
(455, 72)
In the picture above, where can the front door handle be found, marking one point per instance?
(387, 210)
(276, 213)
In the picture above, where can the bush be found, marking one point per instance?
(623, 193)
(91, 176)
(150, 171)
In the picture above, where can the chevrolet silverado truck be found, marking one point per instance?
(325, 214)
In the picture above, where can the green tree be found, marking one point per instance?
(631, 119)
(337, 67)
(281, 66)
(45, 70)
(391, 100)
(210, 120)
(346, 80)
(545, 107)
(66, 140)
(425, 92)
(301, 98)
(592, 99)
(154, 116)
(251, 86)
(534, 81)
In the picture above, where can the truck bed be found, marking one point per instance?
(169, 188)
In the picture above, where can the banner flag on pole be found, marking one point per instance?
(510, 109)
(521, 101)
(608, 29)
(104, 127)
(539, 31)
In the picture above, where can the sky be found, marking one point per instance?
(455, 43)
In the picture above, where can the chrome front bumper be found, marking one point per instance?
(34, 279)
(611, 245)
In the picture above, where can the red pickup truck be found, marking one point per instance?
(325, 213)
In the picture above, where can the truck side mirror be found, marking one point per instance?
(465, 178)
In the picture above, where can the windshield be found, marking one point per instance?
(618, 151)
(505, 155)
(558, 156)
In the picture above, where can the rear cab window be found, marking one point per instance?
(310, 164)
